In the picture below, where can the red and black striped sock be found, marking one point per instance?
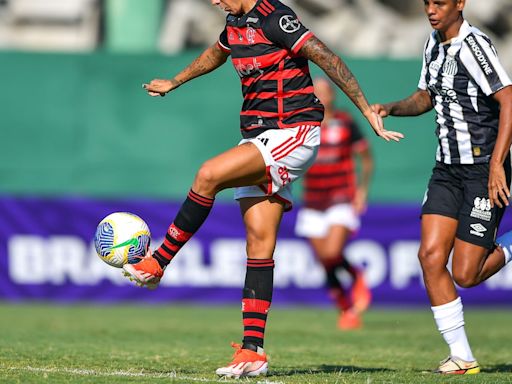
(257, 297)
(191, 216)
(336, 290)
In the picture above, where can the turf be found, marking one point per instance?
(182, 344)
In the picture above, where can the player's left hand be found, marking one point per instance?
(159, 87)
(377, 124)
(499, 192)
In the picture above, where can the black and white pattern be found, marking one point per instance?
(461, 76)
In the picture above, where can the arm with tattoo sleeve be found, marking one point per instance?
(316, 51)
(212, 58)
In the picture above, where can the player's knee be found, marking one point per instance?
(206, 181)
(431, 259)
(465, 279)
(260, 242)
(328, 254)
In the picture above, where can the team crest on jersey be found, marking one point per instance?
(450, 67)
(481, 209)
(250, 34)
(289, 24)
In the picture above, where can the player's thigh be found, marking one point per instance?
(437, 239)
(241, 165)
(468, 259)
(261, 216)
(331, 246)
(478, 221)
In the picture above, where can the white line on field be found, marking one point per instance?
(118, 373)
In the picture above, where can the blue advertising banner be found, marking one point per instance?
(46, 253)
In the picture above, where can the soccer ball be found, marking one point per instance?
(122, 238)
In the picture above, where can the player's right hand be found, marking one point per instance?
(159, 87)
(380, 109)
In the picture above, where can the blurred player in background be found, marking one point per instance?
(280, 124)
(462, 78)
(333, 202)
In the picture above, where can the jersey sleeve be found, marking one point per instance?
(284, 29)
(422, 84)
(480, 59)
(223, 41)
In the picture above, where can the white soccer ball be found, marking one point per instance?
(122, 238)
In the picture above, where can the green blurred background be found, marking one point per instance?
(80, 124)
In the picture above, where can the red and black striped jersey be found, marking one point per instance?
(276, 85)
(332, 178)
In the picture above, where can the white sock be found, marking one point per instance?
(450, 322)
(508, 255)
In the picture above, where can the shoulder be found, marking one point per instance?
(474, 38)
(280, 14)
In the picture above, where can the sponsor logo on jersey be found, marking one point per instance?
(252, 20)
(247, 69)
(289, 24)
(481, 209)
(477, 229)
(479, 55)
(448, 95)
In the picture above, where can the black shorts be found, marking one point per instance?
(460, 192)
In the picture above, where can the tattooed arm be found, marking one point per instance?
(212, 58)
(416, 104)
(316, 51)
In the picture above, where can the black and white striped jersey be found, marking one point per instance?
(461, 76)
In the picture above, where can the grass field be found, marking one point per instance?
(181, 344)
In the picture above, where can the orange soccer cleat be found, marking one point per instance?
(145, 273)
(349, 320)
(245, 363)
(361, 294)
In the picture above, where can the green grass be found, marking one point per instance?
(181, 344)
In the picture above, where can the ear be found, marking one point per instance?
(460, 5)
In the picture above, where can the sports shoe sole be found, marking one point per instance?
(133, 275)
(232, 375)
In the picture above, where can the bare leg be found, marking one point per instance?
(437, 239)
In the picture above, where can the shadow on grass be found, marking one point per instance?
(327, 369)
(497, 368)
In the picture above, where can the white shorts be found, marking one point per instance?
(315, 224)
(287, 153)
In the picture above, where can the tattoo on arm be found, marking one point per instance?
(212, 58)
(316, 51)
(416, 104)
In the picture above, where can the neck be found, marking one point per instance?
(247, 5)
(452, 31)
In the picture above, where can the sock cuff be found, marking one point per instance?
(201, 200)
(449, 316)
(260, 263)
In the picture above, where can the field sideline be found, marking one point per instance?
(185, 344)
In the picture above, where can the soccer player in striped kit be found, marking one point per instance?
(333, 201)
(463, 80)
(280, 126)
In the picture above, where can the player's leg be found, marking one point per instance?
(262, 216)
(473, 264)
(439, 226)
(328, 250)
(437, 239)
(242, 165)
(476, 256)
